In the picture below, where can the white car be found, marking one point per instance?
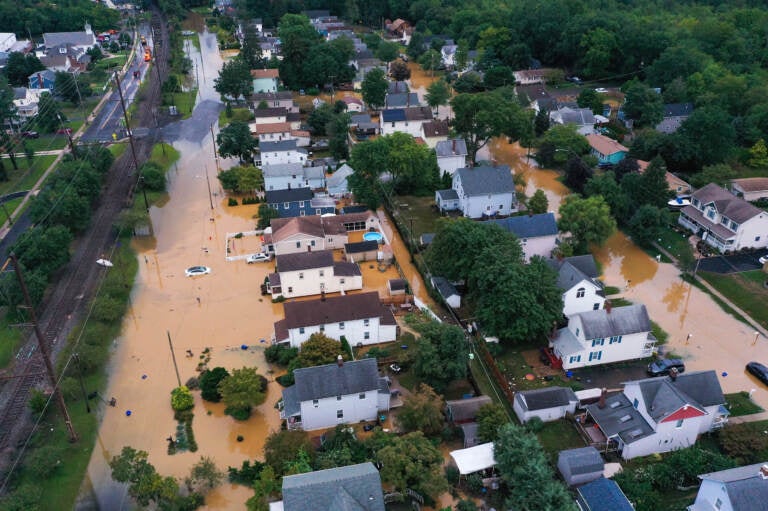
(194, 271)
(261, 257)
(602, 90)
(763, 259)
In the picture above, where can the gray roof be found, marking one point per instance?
(445, 288)
(603, 495)
(579, 116)
(726, 203)
(288, 195)
(630, 319)
(305, 260)
(449, 194)
(583, 460)
(345, 269)
(550, 397)
(461, 410)
(359, 118)
(283, 169)
(350, 488)
(19, 92)
(51, 39)
(361, 246)
(572, 270)
(619, 418)
(452, 147)
(291, 403)
(395, 87)
(279, 145)
(397, 284)
(339, 177)
(330, 380)
(271, 96)
(746, 488)
(529, 226)
(485, 180)
(664, 396)
(276, 111)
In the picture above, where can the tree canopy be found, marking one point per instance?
(588, 220)
(440, 355)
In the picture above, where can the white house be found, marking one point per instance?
(279, 99)
(361, 318)
(307, 233)
(735, 489)
(750, 189)
(657, 415)
(480, 192)
(292, 175)
(337, 183)
(405, 120)
(271, 131)
(577, 279)
(340, 393)
(282, 151)
(26, 101)
(7, 41)
(269, 115)
(604, 336)
(435, 131)
(548, 404)
(354, 104)
(531, 76)
(451, 155)
(582, 118)
(725, 221)
(538, 234)
(76, 40)
(265, 80)
(448, 55)
(312, 273)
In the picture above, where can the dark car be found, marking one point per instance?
(759, 371)
(662, 366)
(30, 134)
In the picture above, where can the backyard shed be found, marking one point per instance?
(396, 286)
(361, 251)
(579, 466)
(548, 404)
(465, 410)
(474, 459)
(447, 291)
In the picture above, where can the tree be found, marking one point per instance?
(338, 141)
(229, 179)
(719, 174)
(624, 167)
(538, 203)
(541, 122)
(44, 248)
(431, 60)
(374, 88)
(416, 45)
(422, 411)
(499, 76)
(204, 476)
(95, 53)
(49, 117)
(234, 80)
(412, 461)
(298, 37)
(145, 485)
(320, 350)
(490, 418)
(250, 50)
(440, 355)
(480, 117)
(266, 214)
(758, 154)
(388, 51)
(577, 173)
(250, 178)
(438, 93)
(469, 82)
(588, 220)
(643, 104)
(19, 66)
(605, 185)
(236, 140)
(70, 88)
(181, 399)
(285, 445)
(523, 465)
(590, 98)
(711, 133)
(319, 119)
(650, 187)
(209, 383)
(242, 390)
(516, 302)
(560, 143)
(647, 224)
(152, 177)
(399, 71)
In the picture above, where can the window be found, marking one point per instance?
(301, 203)
(286, 205)
(322, 273)
(581, 292)
(501, 206)
(301, 328)
(595, 355)
(338, 398)
(598, 342)
(339, 414)
(576, 358)
(322, 328)
(290, 290)
(341, 281)
(393, 124)
(718, 504)
(341, 326)
(318, 211)
(315, 402)
(367, 335)
(312, 243)
(577, 331)
(298, 244)
(366, 322)
(361, 395)
(487, 208)
(679, 424)
(596, 307)
(616, 339)
(302, 213)
(711, 214)
(635, 403)
(757, 238)
(301, 276)
(293, 176)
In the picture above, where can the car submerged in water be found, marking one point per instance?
(194, 271)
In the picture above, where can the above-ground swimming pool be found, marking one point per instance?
(373, 236)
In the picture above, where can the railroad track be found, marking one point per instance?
(74, 290)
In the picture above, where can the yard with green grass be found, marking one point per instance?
(674, 241)
(183, 101)
(744, 289)
(416, 210)
(237, 114)
(739, 403)
(559, 435)
(49, 142)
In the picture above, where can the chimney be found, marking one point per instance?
(601, 402)
(39, 81)
(764, 471)
(673, 374)
(608, 306)
(340, 361)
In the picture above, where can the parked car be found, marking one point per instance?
(261, 257)
(194, 271)
(30, 134)
(395, 368)
(601, 90)
(759, 371)
(662, 366)
(64, 131)
(763, 259)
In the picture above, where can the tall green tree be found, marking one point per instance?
(19, 66)
(338, 136)
(320, 349)
(412, 461)
(644, 105)
(440, 355)
(145, 485)
(647, 223)
(480, 117)
(588, 220)
(234, 80)
(577, 173)
(50, 116)
(538, 203)
(560, 143)
(374, 88)
(242, 390)
(236, 140)
(490, 418)
(438, 94)
(388, 51)
(422, 411)
(285, 445)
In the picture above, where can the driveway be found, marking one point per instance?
(731, 263)
(611, 376)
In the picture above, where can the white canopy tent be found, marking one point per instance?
(474, 459)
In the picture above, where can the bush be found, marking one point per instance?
(108, 309)
(238, 413)
(37, 401)
(209, 383)
(193, 383)
(285, 380)
(534, 425)
(281, 354)
(231, 201)
(43, 461)
(247, 474)
(181, 399)
(91, 358)
(452, 475)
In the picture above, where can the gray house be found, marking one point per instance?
(480, 192)
(736, 489)
(447, 291)
(548, 404)
(538, 234)
(350, 488)
(337, 183)
(579, 466)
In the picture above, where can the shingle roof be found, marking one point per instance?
(605, 145)
(583, 460)
(435, 128)
(664, 396)
(280, 145)
(445, 288)
(283, 169)
(393, 115)
(485, 180)
(273, 127)
(291, 403)
(265, 73)
(359, 118)
(335, 309)
(603, 495)
(541, 399)
(449, 194)
(361, 246)
(304, 260)
(345, 269)
(630, 319)
(51, 39)
(619, 418)
(752, 184)
(452, 147)
(352, 377)
(418, 113)
(579, 116)
(529, 226)
(271, 96)
(339, 177)
(726, 203)
(350, 488)
(395, 87)
(466, 409)
(572, 270)
(744, 485)
(397, 284)
(270, 112)
(288, 195)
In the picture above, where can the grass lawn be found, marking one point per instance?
(27, 174)
(10, 340)
(739, 403)
(559, 435)
(184, 102)
(674, 242)
(419, 210)
(238, 114)
(745, 290)
(50, 142)
(512, 364)
(164, 155)
(117, 150)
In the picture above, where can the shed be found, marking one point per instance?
(548, 404)
(465, 410)
(447, 291)
(396, 286)
(361, 251)
(579, 466)
(469, 432)
(426, 239)
(474, 459)
(602, 495)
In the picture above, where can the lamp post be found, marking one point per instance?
(688, 339)
(757, 334)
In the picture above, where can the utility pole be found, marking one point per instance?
(82, 385)
(44, 350)
(80, 99)
(144, 193)
(5, 210)
(173, 356)
(215, 151)
(68, 131)
(208, 181)
(127, 125)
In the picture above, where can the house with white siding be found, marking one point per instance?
(283, 151)
(538, 234)
(361, 318)
(480, 192)
(725, 221)
(269, 115)
(405, 120)
(265, 80)
(595, 337)
(312, 273)
(577, 279)
(548, 404)
(656, 415)
(451, 155)
(735, 489)
(271, 131)
(279, 99)
(283, 176)
(434, 132)
(308, 233)
(750, 189)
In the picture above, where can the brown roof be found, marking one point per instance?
(315, 225)
(281, 330)
(752, 184)
(300, 133)
(726, 203)
(305, 260)
(334, 310)
(270, 112)
(397, 24)
(435, 128)
(352, 100)
(265, 73)
(418, 113)
(273, 127)
(672, 180)
(605, 145)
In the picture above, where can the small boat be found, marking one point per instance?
(678, 203)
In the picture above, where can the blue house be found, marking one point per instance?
(44, 79)
(299, 202)
(607, 150)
